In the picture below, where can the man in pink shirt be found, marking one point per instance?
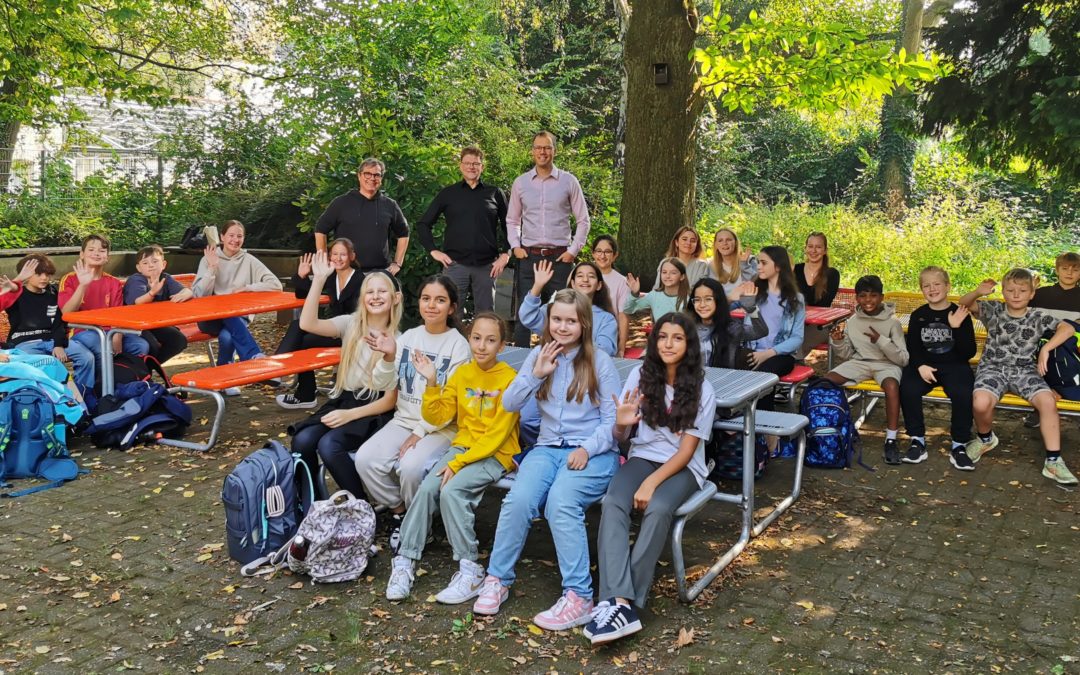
(538, 223)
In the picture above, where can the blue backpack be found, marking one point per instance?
(831, 436)
(1063, 367)
(33, 441)
(135, 412)
(265, 498)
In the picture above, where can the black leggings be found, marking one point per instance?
(779, 365)
(317, 441)
(958, 382)
(295, 339)
(165, 343)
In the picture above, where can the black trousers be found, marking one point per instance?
(524, 277)
(958, 382)
(317, 442)
(165, 343)
(295, 339)
(779, 365)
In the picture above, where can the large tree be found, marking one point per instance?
(1016, 87)
(141, 50)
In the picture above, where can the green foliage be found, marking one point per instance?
(973, 240)
(1014, 89)
(791, 62)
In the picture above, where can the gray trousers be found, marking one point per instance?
(474, 280)
(625, 573)
(524, 280)
(457, 501)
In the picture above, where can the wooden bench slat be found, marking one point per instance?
(939, 393)
(259, 370)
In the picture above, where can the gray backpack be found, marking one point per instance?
(337, 536)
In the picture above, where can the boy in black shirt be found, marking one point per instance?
(940, 342)
(33, 313)
(1062, 300)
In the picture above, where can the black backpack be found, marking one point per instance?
(194, 238)
(1063, 367)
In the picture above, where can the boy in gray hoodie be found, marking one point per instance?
(874, 346)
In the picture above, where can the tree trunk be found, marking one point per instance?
(9, 133)
(897, 137)
(660, 134)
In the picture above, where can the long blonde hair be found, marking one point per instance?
(585, 380)
(353, 347)
(723, 276)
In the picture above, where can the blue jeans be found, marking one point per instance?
(82, 359)
(132, 344)
(543, 474)
(233, 338)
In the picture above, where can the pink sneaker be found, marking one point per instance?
(492, 595)
(568, 612)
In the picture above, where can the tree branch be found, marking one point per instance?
(199, 69)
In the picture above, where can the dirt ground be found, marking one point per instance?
(903, 569)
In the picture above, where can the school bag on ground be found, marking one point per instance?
(137, 411)
(333, 542)
(831, 437)
(265, 498)
(33, 440)
(725, 449)
(1063, 366)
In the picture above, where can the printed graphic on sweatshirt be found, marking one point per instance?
(482, 400)
(937, 337)
(407, 374)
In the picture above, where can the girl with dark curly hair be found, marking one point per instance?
(666, 412)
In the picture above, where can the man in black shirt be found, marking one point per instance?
(474, 250)
(369, 219)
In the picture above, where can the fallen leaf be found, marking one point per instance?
(520, 660)
(685, 637)
(213, 656)
(380, 613)
(533, 643)
(189, 493)
(229, 589)
(204, 557)
(840, 514)
(156, 491)
(66, 537)
(239, 620)
(297, 586)
(42, 649)
(115, 597)
(117, 556)
(60, 577)
(805, 604)
(632, 657)
(80, 595)
(76, 563)
(534, 629)
(777, 639)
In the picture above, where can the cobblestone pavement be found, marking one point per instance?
(905, 569)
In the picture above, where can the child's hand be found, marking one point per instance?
(117, 343)
(755, 359)
(628, 411)
(644, 494)
(746, 288)
(382, 342)
(424, 366)
(28, 270)
(872, 334)
(543, 272)
(4, 358)
(634, 283)
(321, 266)
(211, 255)
(986, 287)
(447, 473)
(837, 333)
(336, 418)
(957, 317)
(304, 268)
(545, 360)
(155, 286)
(927, 374)
(578, 459)
(83, 273)
(7, 285)
(408, 445)
(745, 254)
(1044, 361)
(60, 354)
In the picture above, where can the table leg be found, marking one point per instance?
(106, 355)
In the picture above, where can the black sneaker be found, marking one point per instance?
(394, 530)
(916, 453)
(1032, 420)
(958, 457)
(611, 621)
(892, 451)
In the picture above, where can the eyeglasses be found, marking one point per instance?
(603, 251)
(704, 301)
(543, 147)
(371, 176)
(472, 164)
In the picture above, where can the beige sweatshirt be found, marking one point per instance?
(235, 274)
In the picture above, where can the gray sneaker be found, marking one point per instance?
(402, 577)
(976, 447)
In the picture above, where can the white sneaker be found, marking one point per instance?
(231, 391)
(401, 579)
(465, 585)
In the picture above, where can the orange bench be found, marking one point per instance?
(211, 381)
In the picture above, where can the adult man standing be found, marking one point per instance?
(538, 222)
(369, 219)
(474, 249)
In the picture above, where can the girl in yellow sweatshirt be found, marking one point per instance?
(482, 450)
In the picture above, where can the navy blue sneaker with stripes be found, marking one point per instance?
(611, 621)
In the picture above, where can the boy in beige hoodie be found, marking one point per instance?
(874, 346)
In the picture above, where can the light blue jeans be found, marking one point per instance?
(82, 359)
(132, 344)
(543, 474)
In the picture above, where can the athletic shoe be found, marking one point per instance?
(401, 579)
(916, 453)
(958, 457)
(290, 402)
(231, 391)
(611, 621)
(569, 611)
(394, 529)
(1055, 469)
(892, 451)
(1031, 421)
(976, 448)
(492, 595)
(464, 586)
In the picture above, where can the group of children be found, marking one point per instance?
(421, 422)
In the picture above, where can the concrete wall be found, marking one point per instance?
(122, 263)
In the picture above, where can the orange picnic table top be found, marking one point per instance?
(815, 316)
(259, 370)
(162, 314)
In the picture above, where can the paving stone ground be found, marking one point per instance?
(904, 569)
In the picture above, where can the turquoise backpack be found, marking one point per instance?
(33, 441)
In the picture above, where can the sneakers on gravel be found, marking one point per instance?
(916, 453)
(492, 595)
(568, 611)
(464, 586)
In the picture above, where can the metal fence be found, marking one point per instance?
(38, 171)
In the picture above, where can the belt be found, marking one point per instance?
(552, 252)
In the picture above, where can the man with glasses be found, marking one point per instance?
(369, 219)
(474, 249)
(538, 223)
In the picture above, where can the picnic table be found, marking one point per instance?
(136, 318)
